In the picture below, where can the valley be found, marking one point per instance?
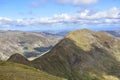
(28, 44)
(60, 40)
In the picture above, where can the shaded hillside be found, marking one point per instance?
(18, 58)
(24, 43)
(13, 71)
(83, 55)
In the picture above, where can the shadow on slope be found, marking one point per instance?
(70, 61)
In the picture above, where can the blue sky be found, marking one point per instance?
(59, 14)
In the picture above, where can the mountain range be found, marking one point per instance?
(54, 33)
(28, 44)
(81, 55)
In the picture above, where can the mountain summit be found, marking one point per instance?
(83, 55)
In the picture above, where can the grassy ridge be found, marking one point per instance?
(13, 71)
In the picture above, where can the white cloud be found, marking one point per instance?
(77, 2)
(112, 13)
(5, 21)
(109, 17)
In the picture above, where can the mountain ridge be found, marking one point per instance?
(83, 55)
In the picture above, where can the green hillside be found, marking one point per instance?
(13, 71)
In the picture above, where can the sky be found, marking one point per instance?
(28, 15)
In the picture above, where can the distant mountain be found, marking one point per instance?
(115, 33)
(83, 55)
(29, 44)
(53, 33)
(13, 71)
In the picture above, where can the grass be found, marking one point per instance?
(13, 71)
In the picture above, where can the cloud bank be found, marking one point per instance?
(85, 17)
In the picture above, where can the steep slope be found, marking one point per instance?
(26, 43)
(13, 71)
(83, 55)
